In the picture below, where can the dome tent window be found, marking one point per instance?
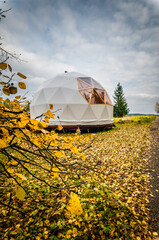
(92, 91)
(78, 101)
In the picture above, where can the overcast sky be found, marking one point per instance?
(110, 40)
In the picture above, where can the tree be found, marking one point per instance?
(120, 106)
(157, 107)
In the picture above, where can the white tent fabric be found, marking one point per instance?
(78, 101)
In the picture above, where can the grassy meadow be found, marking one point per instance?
(110, 201)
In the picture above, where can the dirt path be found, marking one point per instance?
(154, 173)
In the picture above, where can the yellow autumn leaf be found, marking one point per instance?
(3, 66)
(74, 205)
(17, 97)
(51, 106)
(10, 170)
(22, 85)
(68, 234)
(60, 235)
(5, 76)
(55, 172)
(59, 154)
(43, 125)
(49, 114)
(59, 128)
(155, 234)
(74, 232)
(12, 90)
(13, 162)
(138, 238)
(78, 131)
(23, 122)
(21, 75)
(34, 122)
(10, 68)
(46, 231)
(46, 119)
(22, 177)
(3, 143)
(83, 157)
(20, 193)
(4, 132)
(74, 149)
(129, 200)
(6, 91)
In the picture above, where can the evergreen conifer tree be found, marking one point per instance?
(120, 104)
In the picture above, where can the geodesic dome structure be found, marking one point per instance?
(78, 101)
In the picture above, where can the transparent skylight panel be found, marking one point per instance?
(92, 91)
(96, 84)
(82, 84)
(86, 79)
(108, 101)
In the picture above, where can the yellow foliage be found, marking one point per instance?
(23, 121)
(10, 170)
(46, 119)
(3, 143)
(43, 125)
(59, 154)
(20, 193)
(49, 114)
(155, 234)
(51, 106)
(5, 132)
(55, 172)
(22, 177)
(13, 162)
(74, 205)
(21, 75)
(3, 66)
(35, 125)
(59, 128)
(78, 131)
(17, 97)
(10, 68)
(6, 91)
(74, 149)
(22, 85)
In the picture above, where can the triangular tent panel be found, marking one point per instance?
(78, 110)
(40, 98)
(50, 93)
(98, 110)
(105, 114)
(58, 97)
(67, 114)
(88, 114)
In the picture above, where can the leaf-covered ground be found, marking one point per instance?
(154, 171)
(111, 202)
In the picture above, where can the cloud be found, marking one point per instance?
(108, 40)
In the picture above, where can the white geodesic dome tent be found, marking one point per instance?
(78, 101)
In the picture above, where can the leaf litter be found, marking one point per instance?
(113, 198)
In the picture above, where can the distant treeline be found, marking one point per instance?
(140, 114)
